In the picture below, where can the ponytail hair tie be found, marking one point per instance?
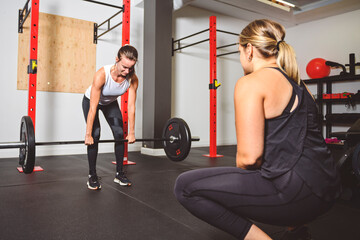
(277, 44)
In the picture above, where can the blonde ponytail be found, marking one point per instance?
(268, 37)
(286, 60)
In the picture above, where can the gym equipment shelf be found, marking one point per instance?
(329, 118)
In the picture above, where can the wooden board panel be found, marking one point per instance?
(66, 54)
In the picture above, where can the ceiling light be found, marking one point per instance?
(285, 2)
(279, 4)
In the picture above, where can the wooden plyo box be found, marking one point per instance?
(66, 54)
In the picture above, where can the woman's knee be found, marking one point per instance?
(117, 128)
(118, 134)
(96, 134)
(180, 188)
(188, 182)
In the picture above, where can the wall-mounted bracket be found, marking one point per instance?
(22, 18)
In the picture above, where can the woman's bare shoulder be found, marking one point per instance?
(252, 80)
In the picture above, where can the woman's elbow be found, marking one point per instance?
(247, 161)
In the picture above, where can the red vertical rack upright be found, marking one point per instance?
(124, 97)
(212, 87)
(32, 68)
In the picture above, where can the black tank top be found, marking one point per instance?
(293, 141)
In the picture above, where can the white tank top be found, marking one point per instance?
(111, 89)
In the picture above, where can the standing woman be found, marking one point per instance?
(285, 174)
(110, 82)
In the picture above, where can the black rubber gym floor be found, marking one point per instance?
(56, 204)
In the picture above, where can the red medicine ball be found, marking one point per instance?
(317, 68)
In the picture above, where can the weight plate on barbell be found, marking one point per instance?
(27, 153)
(177, 150)
(356, 161)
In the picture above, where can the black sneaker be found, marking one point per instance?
(93, 182)
(299, 233)
(121, 179)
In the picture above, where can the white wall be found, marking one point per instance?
(331, 38)
(59, 115)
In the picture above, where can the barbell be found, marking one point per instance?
(176, 138)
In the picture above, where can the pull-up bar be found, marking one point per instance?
(105, 4)
(97, 26)
(229, 45)
(189, 45)
(218, 30)
(228, 53)
(177, 42)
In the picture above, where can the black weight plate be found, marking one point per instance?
(27, 154)
(23, 139)
(356, 161)
(179, 149)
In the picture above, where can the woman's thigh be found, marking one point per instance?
(231, 185)
(96, 125)
(252, 196)
(113, 116)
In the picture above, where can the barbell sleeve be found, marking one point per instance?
(12, 145)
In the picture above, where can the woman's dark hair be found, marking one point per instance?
(129, 52)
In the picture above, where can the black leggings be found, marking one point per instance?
(228, 197)
(113, 116)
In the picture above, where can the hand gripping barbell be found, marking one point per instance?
(176, 140)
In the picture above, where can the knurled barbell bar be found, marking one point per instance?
(176, 140)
